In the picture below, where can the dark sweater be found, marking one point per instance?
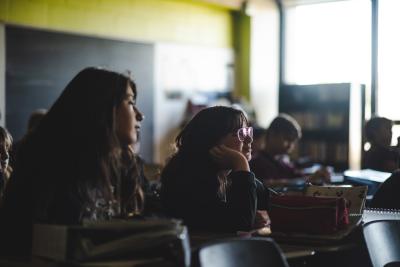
(192, 195)
(385, 159)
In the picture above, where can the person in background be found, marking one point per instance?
(33, 121)
(35, 118)
(5, 169)
(387, 196)
(258, 144)
(78, 165)
(273, 164)
(381, 156)
(208, 182)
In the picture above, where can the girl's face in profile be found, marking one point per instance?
(128, 119)
(240, 140)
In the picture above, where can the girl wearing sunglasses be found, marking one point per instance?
(208, 182)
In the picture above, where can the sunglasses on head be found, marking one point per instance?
(244, 132)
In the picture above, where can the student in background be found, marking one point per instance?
(258, 144)
(33, 121)
(208, 182)
(35, 118)
(78, 165)
(387, 196)
(381, 156)
(5, 168)
(273, 164)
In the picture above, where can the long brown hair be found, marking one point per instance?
(5, 140)
(77, 141)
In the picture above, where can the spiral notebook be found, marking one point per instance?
(376, 214)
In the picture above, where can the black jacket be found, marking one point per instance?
(192, 195)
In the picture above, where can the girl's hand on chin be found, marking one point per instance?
(229, 159)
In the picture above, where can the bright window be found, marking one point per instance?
(388, 59)
(329, 42)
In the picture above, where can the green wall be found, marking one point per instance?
(241, 43)
(141, 20)
(179, 21)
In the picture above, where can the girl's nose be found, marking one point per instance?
(139, 115)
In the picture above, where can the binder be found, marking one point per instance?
(141, 239)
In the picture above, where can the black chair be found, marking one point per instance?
(383, 242)
(240, 252)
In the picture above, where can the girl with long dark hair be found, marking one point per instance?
(78, 164)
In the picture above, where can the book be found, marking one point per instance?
(354, 219)
(367, 175)
(116, 239)
(354, 195)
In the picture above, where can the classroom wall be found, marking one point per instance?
(196, 71)
(183, 22)
(2, 76)
(140, 20)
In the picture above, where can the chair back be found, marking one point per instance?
(241, 252)
(383, 242)
(387, 195)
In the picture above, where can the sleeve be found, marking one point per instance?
(262, 196)
(242, 199)
(202, 208)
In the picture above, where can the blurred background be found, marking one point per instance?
(330, 64)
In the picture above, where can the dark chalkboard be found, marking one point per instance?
(39, 64)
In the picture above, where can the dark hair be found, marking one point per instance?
(7, 140)
(6, 137)
(35, 118)
(206, 129)
(76, 142)
(258, 131)
(285, 125)
(374, 124)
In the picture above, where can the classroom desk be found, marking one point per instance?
(296, 255)
(290, 251)
(349, 252)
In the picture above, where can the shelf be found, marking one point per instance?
(333, 135)
(314, 106)
(330, 115)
